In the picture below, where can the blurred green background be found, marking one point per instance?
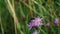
(15, 15)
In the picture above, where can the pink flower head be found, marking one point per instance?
(47, 25)
(35, 32)
(36, 22)
(56, 21)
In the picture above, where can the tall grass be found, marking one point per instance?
(15, 16)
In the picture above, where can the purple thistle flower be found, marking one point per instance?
(56, 21)
(36, 22)
(35, 32)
